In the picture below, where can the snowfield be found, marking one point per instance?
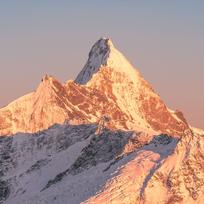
(36, 159)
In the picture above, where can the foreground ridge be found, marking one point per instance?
(71, 164)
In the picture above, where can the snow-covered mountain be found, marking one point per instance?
(107, 85)
(105, 138)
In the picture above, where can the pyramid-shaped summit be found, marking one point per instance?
(104, 54)
(107, 85)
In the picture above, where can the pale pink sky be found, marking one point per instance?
(164, 40)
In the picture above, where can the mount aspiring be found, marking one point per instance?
(104, 138)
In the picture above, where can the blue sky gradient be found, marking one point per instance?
(163, 39)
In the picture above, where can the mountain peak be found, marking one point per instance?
(104, 54)
(104, 41)
(47, 85)
(47, 78)
(113, 88)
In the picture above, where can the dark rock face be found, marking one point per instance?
(163, 139)
(6, 162)
(38, 165)
(100, 51)
(102, 148)
(6, 150)
(4, 191)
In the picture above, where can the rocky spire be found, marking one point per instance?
(104, 54)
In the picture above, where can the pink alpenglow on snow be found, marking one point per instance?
(104, 138)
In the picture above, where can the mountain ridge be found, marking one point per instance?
(107, 81)
(106, 137)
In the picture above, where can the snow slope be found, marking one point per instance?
(70, 164)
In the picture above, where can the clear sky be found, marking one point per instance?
(163, 39)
